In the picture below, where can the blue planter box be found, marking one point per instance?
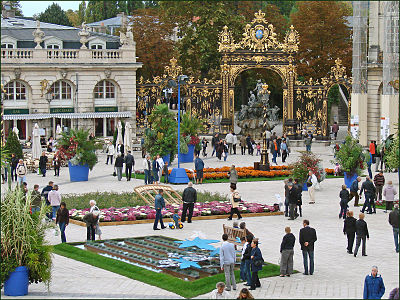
(78, 172)
(305, 188)
(349, 178)
(166, 158)
(17, 283)
(188, 157)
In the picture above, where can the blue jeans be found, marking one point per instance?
(43, 170)
(367, 203)
(35, 209)
(20, 180)
(242, 274)
(146, 176)
(226, 156)
(370, 172)
(214, 149)
(158, 218)
(62, 230)
(274, 157)
(396, 238)
(306, 254)
(308, 148)
(247, 271)
(54, 211)
(343, 210)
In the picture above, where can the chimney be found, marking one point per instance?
(8, 11)
(102, 28)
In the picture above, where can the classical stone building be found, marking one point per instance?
(58, 75)
(375, 95)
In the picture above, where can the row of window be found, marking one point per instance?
(50, 46)
(60, 90)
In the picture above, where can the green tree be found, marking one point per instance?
(16, 5)
(13, 146)
(54, 15)
(101, 10)
(73, 17)
(285, 7)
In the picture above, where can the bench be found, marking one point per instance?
(233, 233)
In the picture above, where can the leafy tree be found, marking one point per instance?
(324, 36)
(285, 7)
(82, 13)
(13, 145)
(393, 154)
(16, 5)
(101, 10)
(54, 15)
(73, 17)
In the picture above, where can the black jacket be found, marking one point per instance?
(362, 228)
(394, 218)
(307, 234)
(90, 220)
(299, 191)
(292, 196)
(129, 160)
(119, 162)
(368, 187)
(14, 162)
(344, 196)
(43, 162)
(62, 216)
(288, 242)
(189, 195)
(247, 252)
(349, 225)
(120, 148)
(45, 191)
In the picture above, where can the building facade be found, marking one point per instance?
(58, 75)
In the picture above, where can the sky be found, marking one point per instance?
(30, 8)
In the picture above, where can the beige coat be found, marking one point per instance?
(233, 203)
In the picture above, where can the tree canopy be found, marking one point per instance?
(55, 15)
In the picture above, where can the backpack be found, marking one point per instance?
(21, 170)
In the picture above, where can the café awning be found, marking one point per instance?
(91, 115)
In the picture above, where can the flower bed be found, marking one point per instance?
(114, 214)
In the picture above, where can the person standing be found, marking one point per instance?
(246, 259)
(57, 165)
(110, 152)
(233, 175)
(349, 229)
(45, 195)
(307, 238)
(335, 129)
(243, 144)
(119, 164)
(344, 200)
(299, 190)
(374, 288)
(147, 169)
(274, 150)
(159, 204)
(225, 150)
(219, 292)
(284, 149)
(372, 150)
(354, 191)
(14, 162)
(55, 200)
(389, 193)
(369, 193)
(120, 149)
(62, 220)
(235, 199)
(279, 142)
(312, 182)
(362, 235)
(36, 202)
(160, 162)
(287, 253)
(166, 172)
(394, 221)
(189, 198)
(91, 220)
(308, 142)
(256, 264)
(369, 164)
(286, 187)
(292, 198)
(229, 140)
(155, 169)
(227, 259)
(204, 144)
(234, 143)
(249, 144)
(129, 164)
(379, 181)
(199, 167)
(21, 170)
(268, 137)
(215, 143)
(43, 163)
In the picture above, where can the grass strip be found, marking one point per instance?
(187, 289)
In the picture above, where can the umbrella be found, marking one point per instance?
(128, 138)
(58, 132)
(36, 146)
(119, 136)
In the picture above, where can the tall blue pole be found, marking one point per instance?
(179, 120)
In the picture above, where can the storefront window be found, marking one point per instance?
(110, 127)
(61, 90)
(21, 125)
(98, 125)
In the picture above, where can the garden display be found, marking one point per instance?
(187, 260)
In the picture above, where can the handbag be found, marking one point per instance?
(259, 262)
(237, 199)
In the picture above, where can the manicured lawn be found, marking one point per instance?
(170, 283)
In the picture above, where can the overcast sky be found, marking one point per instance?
(29, 8)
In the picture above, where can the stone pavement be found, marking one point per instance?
(337, 274)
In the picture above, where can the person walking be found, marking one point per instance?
(307, 238)
(379, 181)
(299, 189)
(43, 163)
(233, 175)
(372, 150)
(119, 164)
(287, 253)
(374, 288)
(389, 192)
(229, 141)
(204, 144)
(189, 198)
(292, 198)
(45, 195)
(274, 150)
(110, 152)
(394, 221)
(312, 182)
(21, 171)
(227, 260)
(344, 200)
(56, 165)
(354, 191)
(308, 141)
(147, 169)
(160, 162)
(62, 220)
(129, 164)
(155, 170)
(225, 150)
(279, 142)
(159, 204)
(215, 143)
(369, 193)
(369, 164)
(349, 229)
(256, 264)
(219, 292)
(55, 200)
(199, 167)
(36, 202)
(249, 144)
(234, 142)
(361, 235)
(235, 199)
(120, 149)
(14, 162)
(246, 260)
(335, 129)
(91, 220)
(243, 144)
(284, 149)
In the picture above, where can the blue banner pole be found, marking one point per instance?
(179, 120)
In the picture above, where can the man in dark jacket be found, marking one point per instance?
(354, 191)
(369, 193)
(129, 164)
(14, 163)
(374, 288)
(344, 199)
(36, 199)
(379, 181)
(307, 238)
(159, 204)
(287, 253)
(247, 259)
(214, 143)
(91, 222)
(199, 166)
(42, 163)
(189, 198)
(394, 221)
(362, 234)
(292, 197)
(349, 229)
(249, 145)
(45, 194)
(119, 164)
(299, 190)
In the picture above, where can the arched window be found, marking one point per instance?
(61, 90)
(104, 89)
(15, 91)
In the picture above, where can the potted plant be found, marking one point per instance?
(161, 139)
(351, 159)
(307, 162)
(190, 127)
(25, 254)
(392, 157)
(80, 150)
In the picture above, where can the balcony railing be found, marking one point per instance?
(14, 53)
(62, 54)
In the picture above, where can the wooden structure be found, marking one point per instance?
(234, 233)
(148, 192)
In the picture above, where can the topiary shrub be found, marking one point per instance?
(350, 156)
(13, 145)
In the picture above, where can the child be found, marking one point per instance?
(344, 199)
(235, 224)
(165, 170)
(337, 169)
(204, 144)
(258, 149)
(176, 218)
